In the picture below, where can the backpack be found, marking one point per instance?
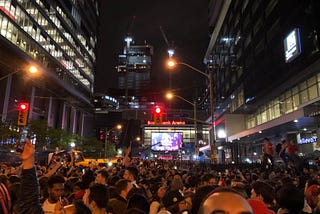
(5, 200)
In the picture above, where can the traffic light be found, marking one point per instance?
(157, 114)
(23, 114)
(102, 135)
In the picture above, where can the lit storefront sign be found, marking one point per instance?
(167, 122)
(308, 140)
(292, 45)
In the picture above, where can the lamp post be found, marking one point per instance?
(170, 95)
(118, 127)
(32, 69)
(171, 63)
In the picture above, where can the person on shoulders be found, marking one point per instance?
(268, 151)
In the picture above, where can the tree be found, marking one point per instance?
(8, 134)
(50, 137)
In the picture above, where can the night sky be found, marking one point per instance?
(183, 21)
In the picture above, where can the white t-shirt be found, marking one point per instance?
(47, 207)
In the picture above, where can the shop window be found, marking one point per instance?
(276, 111)
(9, 31)
(264, 117)
(288, 105)
(302, 86)
(14, 35)
(313, 92)
(295, 101)
(304, 96)
(4, 24)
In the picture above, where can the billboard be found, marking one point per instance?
(166, 141)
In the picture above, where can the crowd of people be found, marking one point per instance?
(139, 186)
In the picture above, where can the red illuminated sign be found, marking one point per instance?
(167, 122)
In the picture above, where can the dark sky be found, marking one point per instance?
(185, 24)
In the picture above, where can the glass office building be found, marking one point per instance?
(264, 56)
(59, 37)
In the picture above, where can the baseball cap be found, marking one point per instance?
(172, 197)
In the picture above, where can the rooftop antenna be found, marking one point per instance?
(128, 39)
(170, 47)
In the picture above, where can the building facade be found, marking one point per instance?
(134, 70)
(59, 38)
(264, 57)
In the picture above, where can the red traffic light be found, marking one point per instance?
(23, 106)
(157, 110)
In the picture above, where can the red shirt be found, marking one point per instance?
(292, 149)
(268, 148)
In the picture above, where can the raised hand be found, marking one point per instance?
(27, 155)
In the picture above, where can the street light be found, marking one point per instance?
(172, 63)
(118, 127)
(31, 69)
(169, 96)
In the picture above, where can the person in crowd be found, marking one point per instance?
(208, 179)
(225, 200)
(156, 202)
(259, 206)
(138, 202)
(102, 177)
(29, 200)
(264, 192)
(98, 198)
(131, 173)
(80, 208)
(291, 200)
(174, 203)
(176, 183)
(312, 195)
(43, 182)
(292, 149)
(118, 205)
(200, 194)
(14, 190)
(267, 151)
(188, 195)
(114, 171)
(145, 184)
(282, 152)
(5, 199)
(87, 179)
(55, 190)
(292, 152)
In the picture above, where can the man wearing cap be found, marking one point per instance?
(174, 203)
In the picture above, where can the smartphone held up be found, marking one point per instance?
(22, 141)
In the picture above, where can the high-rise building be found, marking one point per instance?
(59, 37)
(134, 70)
(264, 57)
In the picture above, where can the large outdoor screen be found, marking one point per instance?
(166, 141)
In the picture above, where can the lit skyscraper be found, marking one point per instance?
(59, 37)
